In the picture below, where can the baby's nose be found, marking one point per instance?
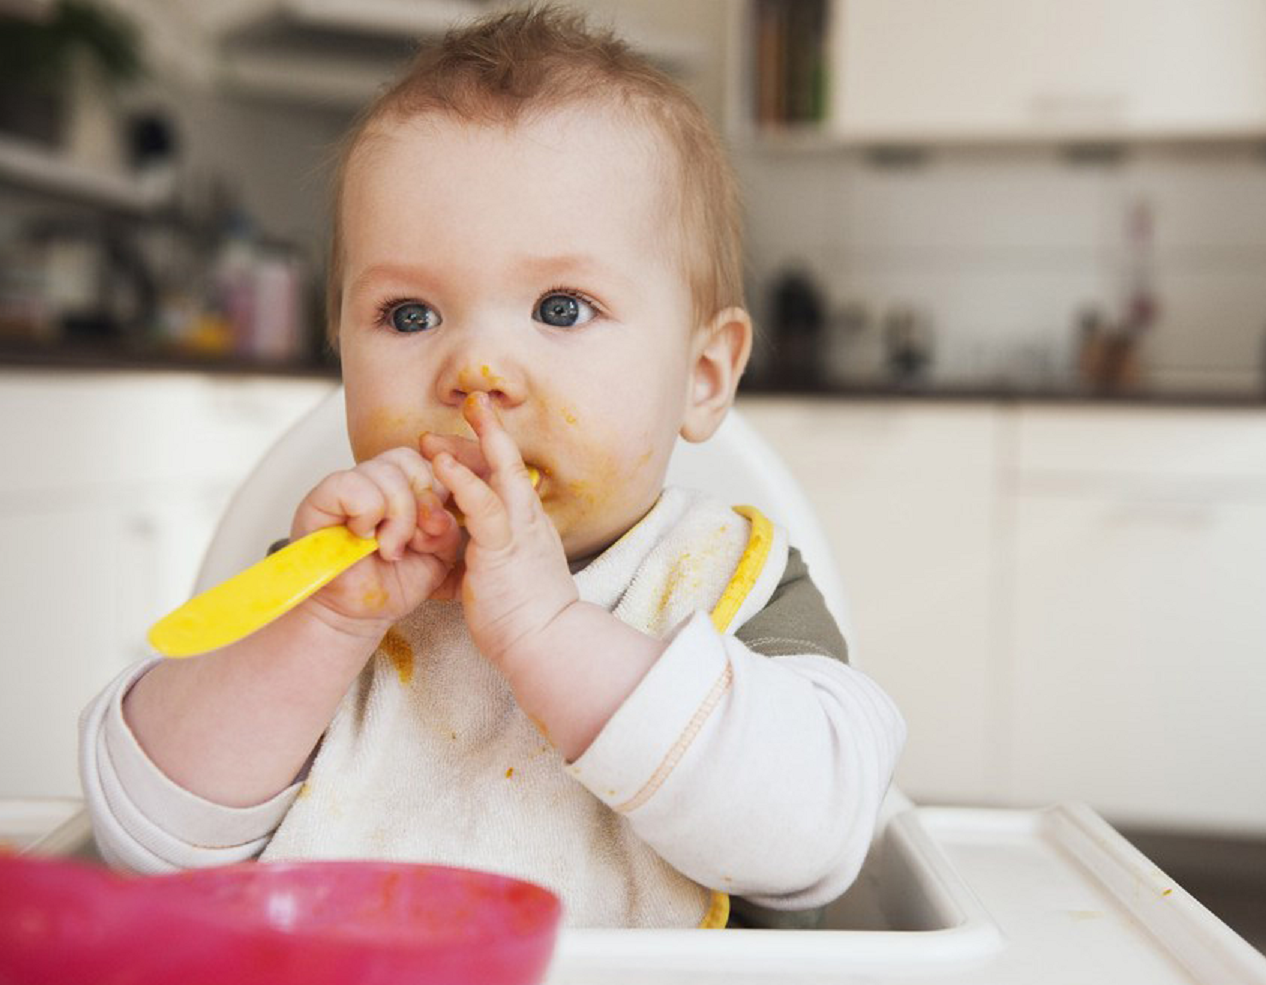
(505, 389)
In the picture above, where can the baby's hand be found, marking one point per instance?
(391, 497)
(516, 580)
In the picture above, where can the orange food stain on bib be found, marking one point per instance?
(398, 651)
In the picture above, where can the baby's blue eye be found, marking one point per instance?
(563, 310)
(413, 316)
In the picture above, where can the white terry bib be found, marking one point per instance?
(429, 759)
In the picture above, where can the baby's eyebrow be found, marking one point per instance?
(389, 272)
(530, 267)
(564, 265)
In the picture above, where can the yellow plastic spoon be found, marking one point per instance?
(250, 600)
(255, 597)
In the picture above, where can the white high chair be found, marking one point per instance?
(947, 894)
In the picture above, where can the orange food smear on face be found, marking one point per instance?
(383, 428)
(485, 379)
(510, 772)
(581, 490)
(398, 651)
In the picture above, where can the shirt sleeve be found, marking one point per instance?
(761, 776)
(795, 620)
(144, 821)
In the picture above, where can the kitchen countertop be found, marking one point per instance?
(105, 358)
(16, 355)
(1007, 392)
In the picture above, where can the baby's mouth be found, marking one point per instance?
(534, 474)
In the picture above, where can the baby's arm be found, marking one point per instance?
(759, 776)
(236, 725)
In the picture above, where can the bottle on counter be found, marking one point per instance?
(799, 315)
(1263, 364)
(258, 290)
(908, 344)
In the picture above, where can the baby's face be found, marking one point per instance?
(535, 263)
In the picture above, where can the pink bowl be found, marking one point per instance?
(368, 923)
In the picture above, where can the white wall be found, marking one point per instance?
(1004, 247)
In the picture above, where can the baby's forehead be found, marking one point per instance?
(575, 181)
(589, 128)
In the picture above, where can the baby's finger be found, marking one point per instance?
(451, 586)
(437, 534)
(486, 519)
(416, 469)
(341, 497)
(433, 519)
(399, 521)
(509, 476)
(465, 450)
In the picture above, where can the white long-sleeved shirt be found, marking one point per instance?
(758, 775)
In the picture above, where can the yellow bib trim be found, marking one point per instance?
(718, 914)
(748, 570)
(749, 567)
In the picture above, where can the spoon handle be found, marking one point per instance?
(255, 597)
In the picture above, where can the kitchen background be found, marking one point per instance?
(1008, 262)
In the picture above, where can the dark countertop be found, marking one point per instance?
(19, 355)
(1006, 392)
(105, 358)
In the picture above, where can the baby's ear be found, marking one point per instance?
(718, 357)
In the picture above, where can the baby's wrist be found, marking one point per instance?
(526, 657)
(339, 629)
(578, 672)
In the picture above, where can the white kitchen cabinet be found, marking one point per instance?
(1064, 601)
(1138, 661)
(61, 636)
(1002, 70)
(112, 486)
(908, 498)
(1135, 575)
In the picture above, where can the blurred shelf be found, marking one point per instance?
(341, 18)
(85, 356)
(334, 82)
(29, 167)
(340, 53)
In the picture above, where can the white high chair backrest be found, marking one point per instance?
(736, 465)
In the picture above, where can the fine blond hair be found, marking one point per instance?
(543, 57)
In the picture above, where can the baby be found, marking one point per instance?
(633, 695)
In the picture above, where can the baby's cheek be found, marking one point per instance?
(377, 429)
(606, 496)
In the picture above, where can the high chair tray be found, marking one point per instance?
(25, 822)
(956, 895)
(948, 896)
